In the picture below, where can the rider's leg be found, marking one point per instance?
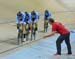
(36, 26)
(44, 25)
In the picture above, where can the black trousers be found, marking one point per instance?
(61, 38)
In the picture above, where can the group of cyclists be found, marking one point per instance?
(28, 23)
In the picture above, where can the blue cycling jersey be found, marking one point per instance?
(49, 15)
(17, 18)
(36, 17)
(28, 19)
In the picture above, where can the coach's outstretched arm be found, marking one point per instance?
(51, 34)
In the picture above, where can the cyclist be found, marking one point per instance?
(19, 21)
(47, 15)
(26, 22)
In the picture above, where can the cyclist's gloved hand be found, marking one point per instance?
(24, 23)
(17, 30)
(21, 22)
(35, 21)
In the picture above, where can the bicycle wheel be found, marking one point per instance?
(33, 31)
(27, 32)
(20, 34)
(45, 26)
(34, 34)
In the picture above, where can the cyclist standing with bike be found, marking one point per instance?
(19, 21)
(34, 20)
(26, 25)
(47, 15)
